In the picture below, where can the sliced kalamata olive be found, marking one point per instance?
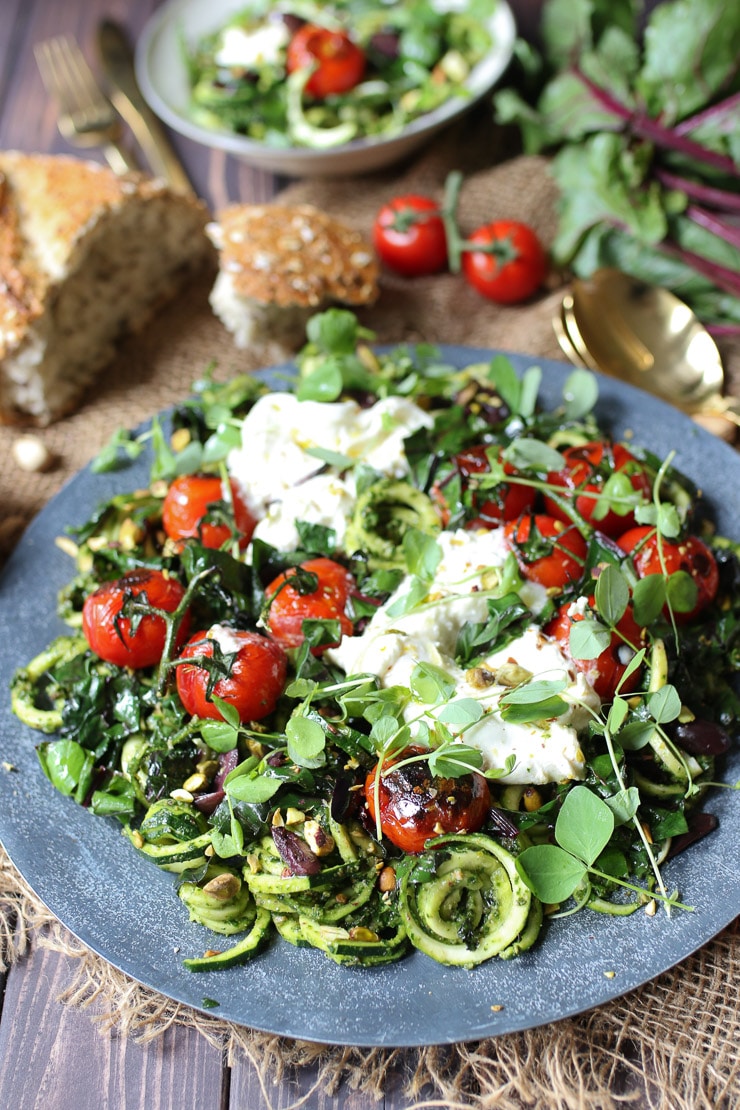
(502, 824)
(482, 402)
(277, 759)
(341, 797)
(700, 825)
(207, 803)
(701, 737)
(295, 852)
(386, 44)
(291, 21)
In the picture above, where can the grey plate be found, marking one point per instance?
(125, 909)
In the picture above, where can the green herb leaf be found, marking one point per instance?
(648, 598)
(252, 788)
(454, 759)
(584, 825)
(550, 873)
(431, 684)
(664, 704)
(421, 553)
(681, 591)
(324, 383)
(462, 711)
(612, 594)
(617, 714)
(588, 638)
(624, 805)
(580, 393)
(533, 454)
(228, 711)
(636, 735)
(219, 735)
(306, 742)
(68, 766)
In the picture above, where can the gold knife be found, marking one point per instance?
(117, 57)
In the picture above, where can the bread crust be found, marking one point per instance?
(51, 209)
(293, 256)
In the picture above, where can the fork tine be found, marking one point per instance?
(46, 59)
(81, 76)
(86, 116)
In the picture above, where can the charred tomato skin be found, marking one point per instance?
(185, 509)
(548, 551)
(605, 672)
(253, 687)
(416, 805)
(110, 635)
(690, 555)
(288, 607)
(586, 470)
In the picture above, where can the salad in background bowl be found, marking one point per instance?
(244, 78)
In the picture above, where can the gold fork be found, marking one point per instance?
(86, 118)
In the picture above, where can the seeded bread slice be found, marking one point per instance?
(278, 264)
(85, 256)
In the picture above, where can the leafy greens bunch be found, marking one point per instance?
(647, 132)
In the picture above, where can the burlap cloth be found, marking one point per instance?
(672, 1044)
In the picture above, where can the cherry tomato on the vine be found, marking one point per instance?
(605, 672)
(547, 550)
(416, 805)
(409, 235)
(253, 686)
(290, 606)
(110, 635)
(506, 501)
(339, 62)
(186, 508)
(588, 467)
(510, 264)
(690, 555)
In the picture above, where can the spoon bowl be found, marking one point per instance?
(647, 336)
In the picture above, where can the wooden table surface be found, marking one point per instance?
(51, 1057)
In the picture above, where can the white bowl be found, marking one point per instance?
(163, 79)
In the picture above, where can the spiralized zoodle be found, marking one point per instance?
(489, 671)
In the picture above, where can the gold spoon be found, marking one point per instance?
(647, 336)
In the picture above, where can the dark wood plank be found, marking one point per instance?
(299, 1089)
(51, 1056)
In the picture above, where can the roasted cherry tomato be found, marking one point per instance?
(339, 62)
(110, 635)
(409, 236)
(510, 265)
(416, 805)
(505, 502)
(253, 686)
(547, 550)
(292, 605)
(587, 468)
(690, 555)
(605, 672)
(187, 504)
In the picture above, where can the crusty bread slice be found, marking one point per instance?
(280, 263)
(85, 256)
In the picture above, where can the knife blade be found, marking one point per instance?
(117, 58)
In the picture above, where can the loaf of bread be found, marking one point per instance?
(278, 264)
(85, 256)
